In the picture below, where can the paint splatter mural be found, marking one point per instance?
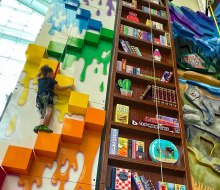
(77, 37)
(197, 49)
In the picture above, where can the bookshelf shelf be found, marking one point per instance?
(130, 100)
(146, 15)
(131, 39)
(134, 128)
(146, 163)
(144, 60)
(154, 5)
(150, 81)
(142, 26)
(132, 139)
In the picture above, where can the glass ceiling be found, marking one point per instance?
(19, 26)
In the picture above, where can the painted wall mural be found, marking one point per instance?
(77, 37)
(198, 57)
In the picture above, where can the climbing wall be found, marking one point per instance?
(75, 40)
(196, 34)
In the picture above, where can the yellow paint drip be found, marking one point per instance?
(89, 147)
(11, 127)
(199, 186)
(61, 105)
(31, 70)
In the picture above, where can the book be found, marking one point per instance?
(180, 187)
(129, 69)
(170, 186)
(169, 97)
(113, 148)
(140, 34)
(130, 31)
(126, 28)
(138, 71)
(137, 182)
(129, 148)
(129, 46)
(135, 32)
(161, 185)
(122, 113)
(148, 185)
(167, 39)
(134, 50)
(122, 29)
(144, 94)
(121, 179)
(124, 62)
(124, 46)
(167, 76)
(140, 151)
(122, 147)
(119, 66)
(173, 98)
(138, 51)
(133, 148)
(157, 40)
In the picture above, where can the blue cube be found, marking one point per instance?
(72, 4)
(94, 25)
(83, 13)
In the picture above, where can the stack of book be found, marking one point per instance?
(130, 31)
(121, 180)
(170, 186)
(126, 147)
(129, 48)
(122, 66)
(147, 36)
(154, 24)
(164, 96)
(160, 13)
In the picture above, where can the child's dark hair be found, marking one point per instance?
(45, 70)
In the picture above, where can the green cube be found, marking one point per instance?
(92, 38)
(55, 49)
(107, 34)
(74, 44)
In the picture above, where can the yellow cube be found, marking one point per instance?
(78, 103)
(35, 53)
(64, 81)
(51, 63)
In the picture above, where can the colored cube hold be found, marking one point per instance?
(64, 81)
(55, 50)
(78, 103)
(74, 44)
(17, 160)
(83, 13)
(95, 119)
(35, 53)
(72, 131)
(94, 25)
(51, 63)
(47, 144)
(72, 4)
(2, 177)
(92, 38)
(107, 34)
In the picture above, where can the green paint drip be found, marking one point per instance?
(96, 70)
(101, 87)
(89, 53)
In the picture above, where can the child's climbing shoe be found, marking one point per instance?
(44, 129)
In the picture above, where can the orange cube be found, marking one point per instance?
(47, 144)
(72, 131)
(17, 160)
(95, 119)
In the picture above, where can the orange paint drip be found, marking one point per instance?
(199, 186)
(89, 147)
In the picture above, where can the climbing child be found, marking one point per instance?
(45, 94)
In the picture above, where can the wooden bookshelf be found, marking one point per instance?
(138, 109)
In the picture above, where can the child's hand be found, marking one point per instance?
(70, 87)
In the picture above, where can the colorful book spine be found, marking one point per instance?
(122, 147)
(135, 32)
(173, 98)
(130, 148)
(148, 185)
(140, 150)
(129, 47)
(124, 62)
(165, 97)
(169, 94)
(125, 30)
(133, 148)
(138, 71)
(170, 186)
(119, 66)
(124, 46)
(122, 113)
(161, 185)
(140, 34)
(122, 29)
(180, 187)
(113, 148)
(113, 178)
(130, 31)
(138, 51)
(137, 181)
(129, 69)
